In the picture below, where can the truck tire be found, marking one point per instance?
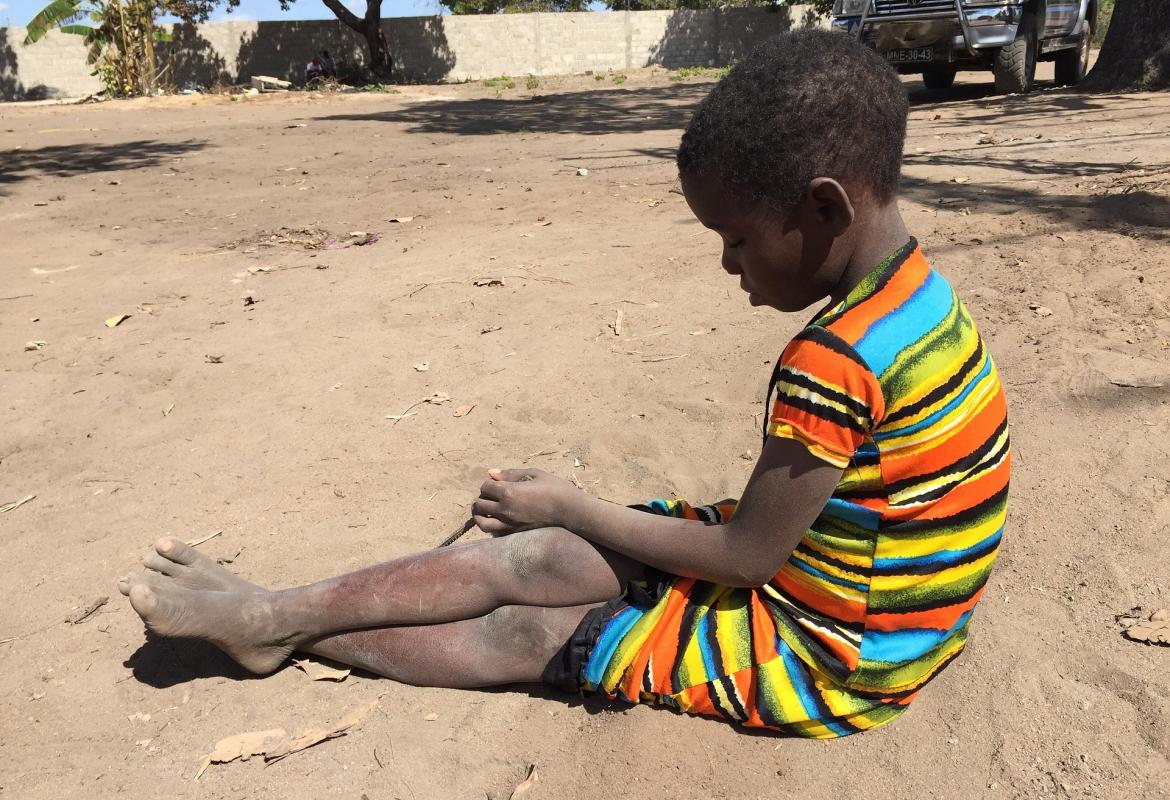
(1015, 63)
(1071, 65)
(938, 76)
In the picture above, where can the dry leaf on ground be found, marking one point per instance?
(117, 320)
(422, 366)
(275, 744)
(1152, 629)
(320, 672)
(463, 410)
(402, 219)
(525, 785)
(488, 282)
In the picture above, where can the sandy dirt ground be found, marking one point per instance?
(268, 423)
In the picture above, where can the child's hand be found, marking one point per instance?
(519, 499)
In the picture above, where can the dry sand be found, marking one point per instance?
(1054, 229)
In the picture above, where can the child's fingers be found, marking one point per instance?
(485, 507)
(513, 474)
(492, 490)
(490, 525)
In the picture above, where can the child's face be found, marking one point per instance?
(782, 261)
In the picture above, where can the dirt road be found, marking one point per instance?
(269, 422)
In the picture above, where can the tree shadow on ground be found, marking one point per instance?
(64, 161)
(1114, 205)
(597, 112)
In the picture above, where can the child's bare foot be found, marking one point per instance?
(189, 568)
(241, 623)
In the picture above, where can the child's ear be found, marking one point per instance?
(830, 205)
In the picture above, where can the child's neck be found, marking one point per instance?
(882, 233)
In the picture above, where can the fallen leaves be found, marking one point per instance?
(422, 366)
(402, 220)
(320, 672)
(275, 744)
(1040, 311)
(616, 325)
(463, 410)
(35, 345)
(438, 398)
(82, 614)
(213, 359)
(15, 504)
(525, 785)
(116, 320)
(1138, 627)
(488, 282)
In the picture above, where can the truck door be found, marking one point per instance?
(1060, 17)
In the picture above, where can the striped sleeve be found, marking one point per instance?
(827, 398)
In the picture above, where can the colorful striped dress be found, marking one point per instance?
(894, 385)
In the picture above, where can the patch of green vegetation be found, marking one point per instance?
(499, 83)
(682, 73)
(533, 82)
(381, 88)
(617, 77)
(599, 77)
(1104, 15)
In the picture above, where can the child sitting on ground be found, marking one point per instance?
(844, 578)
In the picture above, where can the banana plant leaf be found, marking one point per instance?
(79, 30)
(53, 15)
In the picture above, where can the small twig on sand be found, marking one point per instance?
(422, 286)
(654, 359)
(208, 537)
(537, 276)
(455, 535)
(531, 456)
(16, 504)
(80, 616)
(16, 297)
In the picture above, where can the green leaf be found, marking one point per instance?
(79, 30)
(52, 16)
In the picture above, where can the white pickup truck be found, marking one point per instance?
(936, 38)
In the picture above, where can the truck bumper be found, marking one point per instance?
(992, 26)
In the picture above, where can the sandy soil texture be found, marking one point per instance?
(267, 421)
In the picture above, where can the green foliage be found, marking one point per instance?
(379, 88)
(502, 82)
(617, 77)
(533, 82)
(1104, 15)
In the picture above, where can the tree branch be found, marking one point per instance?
(345, 15)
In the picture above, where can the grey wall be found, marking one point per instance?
(426, 49)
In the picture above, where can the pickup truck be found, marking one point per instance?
(936, 38)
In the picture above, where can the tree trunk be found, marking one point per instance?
(381, 62)
(370, 27)
(1135, 55)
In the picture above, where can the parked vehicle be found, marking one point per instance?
(936, 38)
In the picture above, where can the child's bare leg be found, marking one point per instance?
(548, 567)
(510, 645)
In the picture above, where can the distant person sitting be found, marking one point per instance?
(314, 70)
(328, 65)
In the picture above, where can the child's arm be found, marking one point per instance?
(787, 490)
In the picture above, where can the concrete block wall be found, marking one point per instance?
(425, 49)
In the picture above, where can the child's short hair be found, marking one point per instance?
(804, 104)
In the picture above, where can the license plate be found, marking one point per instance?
(910, 55)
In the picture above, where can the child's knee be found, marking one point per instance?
(534, 554)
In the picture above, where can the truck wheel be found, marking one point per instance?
(1071, 65)
(1015, 63)
(938, 76)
